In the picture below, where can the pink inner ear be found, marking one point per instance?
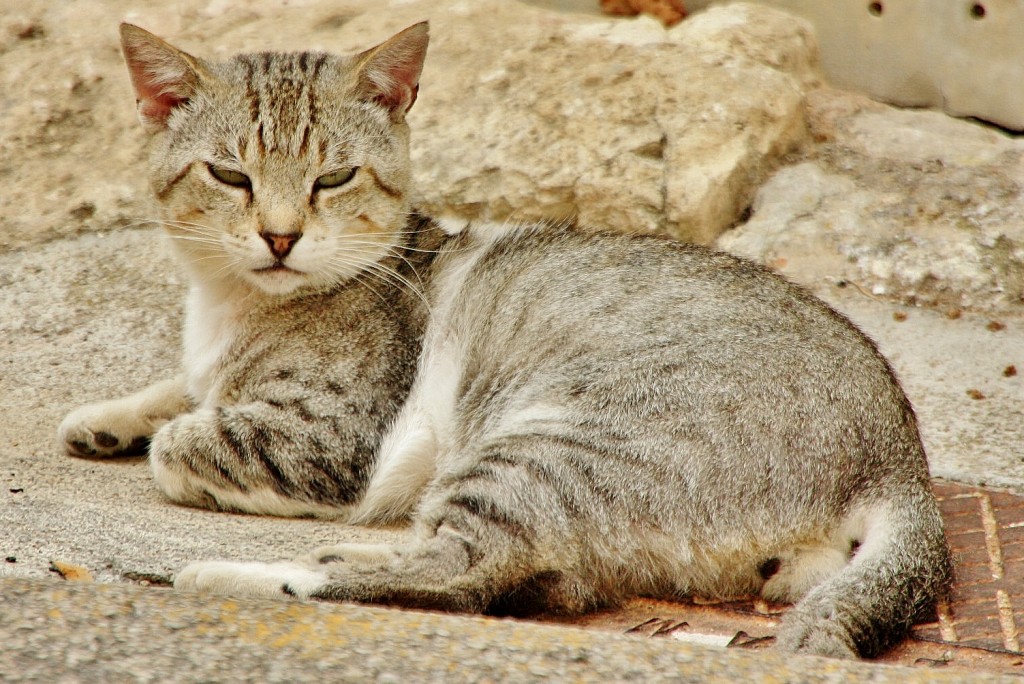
(400, 97)
(162, 77)
(390, 76)
(154, 103)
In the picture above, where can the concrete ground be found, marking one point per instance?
(105, 633)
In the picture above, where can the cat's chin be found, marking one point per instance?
(278, 281)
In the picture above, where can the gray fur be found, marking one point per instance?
(568, 419)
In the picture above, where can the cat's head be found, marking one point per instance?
(285, 171)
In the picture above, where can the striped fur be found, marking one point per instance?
(567, 419)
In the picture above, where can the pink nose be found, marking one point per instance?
(280, 244)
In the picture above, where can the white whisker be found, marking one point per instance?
(228, 266)
(196, 239)
(388, 275)
(389, 250)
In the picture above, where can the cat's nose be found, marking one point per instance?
(280, 243)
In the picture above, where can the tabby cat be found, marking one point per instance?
(568, 419)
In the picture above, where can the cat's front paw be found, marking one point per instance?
(268, 580)
(103, 429)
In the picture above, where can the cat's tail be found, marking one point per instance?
(899, 572)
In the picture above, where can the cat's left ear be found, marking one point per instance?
(163, 76)
(390, 73)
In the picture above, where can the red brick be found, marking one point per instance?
(973, 574)
(960, 505)
(1011, 535)
(1003, 499)
(943, 488)
(966, 539)
(974, 555)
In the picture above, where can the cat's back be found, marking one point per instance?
(632, 292)
(665, 342)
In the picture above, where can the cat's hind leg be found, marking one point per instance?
(123, 426)
(438, 572)
(422, 575)
(435, 572)
(899, 571)
(301, 577)
(494, 538)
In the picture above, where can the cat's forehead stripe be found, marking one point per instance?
(280, 89)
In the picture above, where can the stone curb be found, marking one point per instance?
(78, 632)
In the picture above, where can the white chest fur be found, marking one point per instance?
(211, 323)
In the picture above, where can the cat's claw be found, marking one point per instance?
(269, 580)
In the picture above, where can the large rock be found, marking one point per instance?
(620, 124)
(524, 112)
(912, 205)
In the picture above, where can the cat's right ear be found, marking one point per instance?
(389, 74)
(163, 76)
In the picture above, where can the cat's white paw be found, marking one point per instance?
(106, 428)
(231, 578)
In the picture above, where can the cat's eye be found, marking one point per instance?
(336, 179)
(230, 177)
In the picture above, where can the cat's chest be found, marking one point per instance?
(211, 327)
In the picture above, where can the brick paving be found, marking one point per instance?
(978, 630)
(985, 529)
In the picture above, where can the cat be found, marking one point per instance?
(568, 418)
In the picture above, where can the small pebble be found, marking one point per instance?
(975, 394)
(27, 30)
(996, 326)
(899, 316)
(70, 571)
(1010, 371)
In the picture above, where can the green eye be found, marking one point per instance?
(336, 179)
(229, 177)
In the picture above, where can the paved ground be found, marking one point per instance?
(977, 631)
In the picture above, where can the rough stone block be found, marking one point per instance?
(621, 125)
(912, 205)
(524, 112)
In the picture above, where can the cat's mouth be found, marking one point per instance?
(277, 267)
(277, 278)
